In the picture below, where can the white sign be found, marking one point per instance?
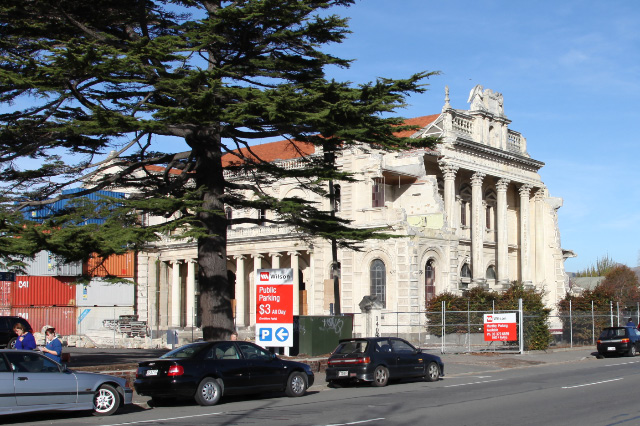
(500, 318)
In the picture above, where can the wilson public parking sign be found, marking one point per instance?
(500, 327)
(274, 309)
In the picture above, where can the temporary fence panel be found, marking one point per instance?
(5, 294)
(102, 293)
(43, 291)
(62, 318)
(46, 264)
(100, 318)
(118, 265)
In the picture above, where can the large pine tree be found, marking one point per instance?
(133, 78)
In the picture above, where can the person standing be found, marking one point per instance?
(25, 339)
(53, 348)
(630, 323)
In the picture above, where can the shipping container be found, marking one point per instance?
(5, 312)
(46, 264)
(40, 214)
(101, 293)
(5, 294)
(43, 291)
(100, 318)
(118, 265)
(62, 318)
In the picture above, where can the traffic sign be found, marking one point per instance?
(274, 307)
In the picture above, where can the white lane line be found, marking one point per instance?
(473, 383)
(357, 422)
(622, 363)
(591, 384)
(165, 419)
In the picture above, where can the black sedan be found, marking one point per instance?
(619, 340)
(207, 370)
(380, 359)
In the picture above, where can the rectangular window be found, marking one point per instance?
(463, 213)
(377, 193)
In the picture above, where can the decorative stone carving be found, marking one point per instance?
(486, 100)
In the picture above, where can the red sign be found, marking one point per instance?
(500, 327)
(275, 302)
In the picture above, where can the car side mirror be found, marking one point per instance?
(274, 356)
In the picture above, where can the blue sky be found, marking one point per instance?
(570, 75)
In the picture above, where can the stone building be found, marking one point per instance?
(471, 212)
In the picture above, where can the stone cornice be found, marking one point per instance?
(491, 152)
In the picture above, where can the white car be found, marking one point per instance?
(32, 382)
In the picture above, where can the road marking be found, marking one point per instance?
(163, 420)
(590, 384)
(622, 363)
(474, 383)
(357, 423)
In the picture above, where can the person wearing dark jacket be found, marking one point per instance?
(630, 323)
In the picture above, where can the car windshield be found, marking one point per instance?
(354, 346)
(609, 333)
(187, 351)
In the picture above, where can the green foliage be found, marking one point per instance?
(600, 269)
(582, 314)
(470, 308)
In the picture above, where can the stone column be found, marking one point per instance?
(176, 302)
(191, 292)
(240, 296)
(257, 264)
(296, 282)
(525, 274)
(449, 172)
(275, 260)
(501, 228)
(477, 230)
(164, 312)
(539, 232)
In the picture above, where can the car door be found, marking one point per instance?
(408, 358)
(225, 359)
(37, 380)
(7, 395)
(266, 370)
(383, 354)
(5, 331)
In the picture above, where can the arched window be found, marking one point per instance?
(465, 276)
(430, 281)
(465, 205)
(379, 281)
(491, 273)
(336, 198)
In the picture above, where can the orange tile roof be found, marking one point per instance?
(422, 122)
(272, 151)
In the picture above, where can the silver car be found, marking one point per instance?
(29, 381)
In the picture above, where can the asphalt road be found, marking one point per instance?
(564, 388)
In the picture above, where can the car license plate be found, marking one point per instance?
(342, 373)
(611, 348)
(152, 372)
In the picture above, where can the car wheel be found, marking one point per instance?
(208, 392)
(105, 401)
(296, 384)
(433, 372)
(380, 376)
(12, 344)
(632, 351)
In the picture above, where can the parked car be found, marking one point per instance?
(206, 371)
(32, 382)
(7, 336)
(619, 340)
(380, 359)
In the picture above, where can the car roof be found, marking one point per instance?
(368, 339)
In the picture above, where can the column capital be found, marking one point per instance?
(275, 254)
(525, 190)
(176, 261)
(293, 253)
(257, 256)
(448, 170)
(502, 184)
(540, 194)
(239, 256)
(477, 178)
